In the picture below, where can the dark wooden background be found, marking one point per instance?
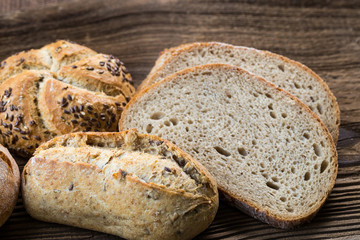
(324, 35)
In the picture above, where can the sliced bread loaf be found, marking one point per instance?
(287, 74)
(271, 155)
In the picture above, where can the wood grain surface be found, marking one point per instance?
(324, 35)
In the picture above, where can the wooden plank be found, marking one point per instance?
(323, 35)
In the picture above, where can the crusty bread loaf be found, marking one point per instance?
(287, 74)
(271, 155)
(60, 88)
(9, 184)
(131, 185)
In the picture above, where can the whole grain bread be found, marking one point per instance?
(60, 88)
(132, 185)
(287, 74)
(9, 184)
(271, 155)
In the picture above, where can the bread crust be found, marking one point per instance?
(232, 198)
(116, 201)
(171, 53)
(9, 184)
(62, 87)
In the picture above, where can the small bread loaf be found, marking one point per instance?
(60, 88)
(287, 74)
(126, 184)
(9, 184)
(271, 155)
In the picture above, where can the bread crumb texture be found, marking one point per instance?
(265, 148)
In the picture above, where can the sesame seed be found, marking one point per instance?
(12, 107)
(90, 107)
(167, 169)
(124, 104)
(24, 137)
(6, 116)
(11, 118)
(64, 104)
(108, 67)
(88, 129)
(74, 66)
(65, 88)
(71, 187)
(16, 123)
(29, 147)
(106, 106)
(58, 49)
(77, 109)
(17, 129)
(74, 121)
(23, 132)
(83, 124)
(93, 120)
(37, 138)
(5, 125)
(127, 99)
(76, 116)
(32, 122)
(72, 109)
(96, 114)
(90, 68)
(69, 97)
(81, 107)
(101, 72)
(113, 117)
(102, 63)
(10, 126)
(66, 111)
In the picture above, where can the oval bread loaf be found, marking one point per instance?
(60, 88)
(285, 73)
(9, 184)
(271, 155)
(131, 185)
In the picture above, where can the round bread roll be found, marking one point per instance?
(9, 184)
(60, 88)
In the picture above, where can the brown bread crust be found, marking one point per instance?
(119, 201)
(63, 87)
(9, 184)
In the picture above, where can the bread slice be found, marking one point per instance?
(271, 155)
(287, 74)
(135, 186)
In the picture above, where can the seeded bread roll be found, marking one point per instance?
(271, 155)
(131, 185)
(60, 88)
(9, 184)
(285, 73)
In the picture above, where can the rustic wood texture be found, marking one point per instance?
(324, 35)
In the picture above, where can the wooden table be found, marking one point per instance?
(323, 35)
